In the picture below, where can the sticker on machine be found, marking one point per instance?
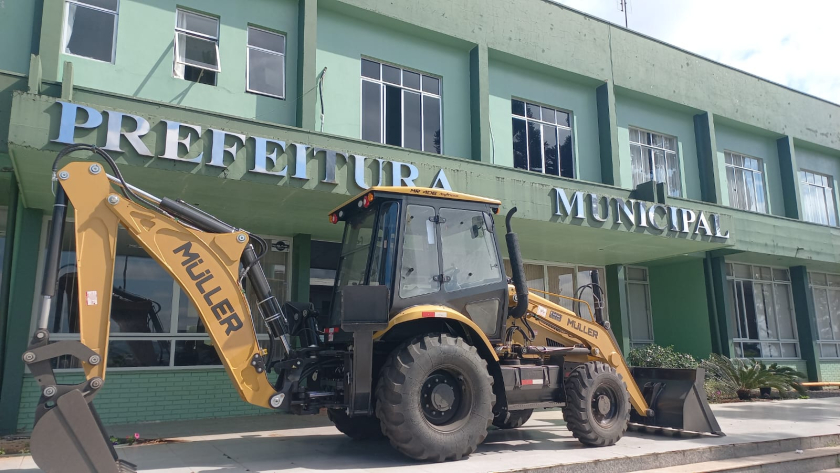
(526, 382)
(91, 298)
(542, 311)
(433, 314)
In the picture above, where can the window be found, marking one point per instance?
(196, 47)
(420, 270)
(400, 107)
(564, 281)
(266, 63)
(638, 303)
(746, 182)
(91, 29)
(469, 249)
(761, 305)
(654, 158)
(817, 198)
(826, 291)
(153, 323)
(542, 139)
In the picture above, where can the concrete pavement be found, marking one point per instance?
(297, 444)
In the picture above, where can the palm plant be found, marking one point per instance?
(745, 375)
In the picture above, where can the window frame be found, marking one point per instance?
(216, 39)
(542, 124)
(832, 212)
(634, 341)
(383, 107)
(834, 341)
(761, 172)
(248, 49)
(65, 38)
(170, 337)
(735, 318)
(666, 151)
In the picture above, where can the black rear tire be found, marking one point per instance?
(513, 419)
(435, 398)
(357, 428)
(597, 408)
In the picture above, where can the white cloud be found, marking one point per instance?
(796, 44)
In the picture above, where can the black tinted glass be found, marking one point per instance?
(370, 69)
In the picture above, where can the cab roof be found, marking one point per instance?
(422, 192)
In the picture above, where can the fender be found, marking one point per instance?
(436, 311)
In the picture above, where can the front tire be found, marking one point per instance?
(435, 398)
(597, 408)
(357, 428)
(513, 419)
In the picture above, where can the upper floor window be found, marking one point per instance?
(91, 29)
(542, 139)
(196, 47)
(746, 182)
(654, 158)
(400, 107)
(817, 198)
(266, 63)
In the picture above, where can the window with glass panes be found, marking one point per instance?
(153, 322)
(266, 71)
(817, 198)
(761, 306)
(196, 47)
(401, 107)
(653, 157)
(90, 28)
(826, 291)
(745, 178)
(564, 281)
(638, 303)
(542, 139)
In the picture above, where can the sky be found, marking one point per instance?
(793, 43)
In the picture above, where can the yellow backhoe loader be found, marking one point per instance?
(428, 341)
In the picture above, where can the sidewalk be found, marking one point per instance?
(297, 444)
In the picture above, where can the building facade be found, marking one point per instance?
(702, 196)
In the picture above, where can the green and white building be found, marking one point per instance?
(704, 196)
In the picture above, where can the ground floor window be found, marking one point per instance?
(638, 304)
(565, 281)
(153, 323)
(826, 290)
(761, 307)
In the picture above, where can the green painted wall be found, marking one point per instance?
(17, 19)
(653, 115)
(8, 84)
(680, 307)
(342, 83)
(738, 139)
(145, 50)
(152, 396)
(508, 80)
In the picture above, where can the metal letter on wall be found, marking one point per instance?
(652, 216)
(397, 178)
(329, 163)
(112, 142)
(442, 180)
(688, 217)
(703, 223)
(300, 161)
(217, 153)
(67, 125)
(595, 202)
(716, 224)
(621, 207)
(261, 156)
(562, 199)
(173, 131)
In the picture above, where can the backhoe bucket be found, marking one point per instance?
(70, 438)
(677, 399)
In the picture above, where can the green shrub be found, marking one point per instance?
(655, 356)
(743, 376)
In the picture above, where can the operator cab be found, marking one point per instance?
(428, 246)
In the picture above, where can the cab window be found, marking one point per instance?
(419, 273)
(469, 249)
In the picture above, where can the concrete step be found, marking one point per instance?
(788, 462)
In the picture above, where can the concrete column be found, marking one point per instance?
(617, 303)
(717, 269)
(307, 76)
(51, 28)
(301, 253)
(707, 159)
(27, 237)
(789, 171)
(8, 257)
(482, 149)
(806, 321)
(608, 135)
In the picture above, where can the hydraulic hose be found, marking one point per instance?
(517, 269)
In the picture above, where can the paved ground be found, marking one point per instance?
(297, 444)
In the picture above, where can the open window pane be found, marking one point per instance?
(90, 33)
(198, 52)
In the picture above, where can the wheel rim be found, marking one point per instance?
(605, 405)
(445, 399)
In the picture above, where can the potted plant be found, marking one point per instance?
(746, 375)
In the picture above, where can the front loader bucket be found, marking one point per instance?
(69, 438)
(677, 399)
